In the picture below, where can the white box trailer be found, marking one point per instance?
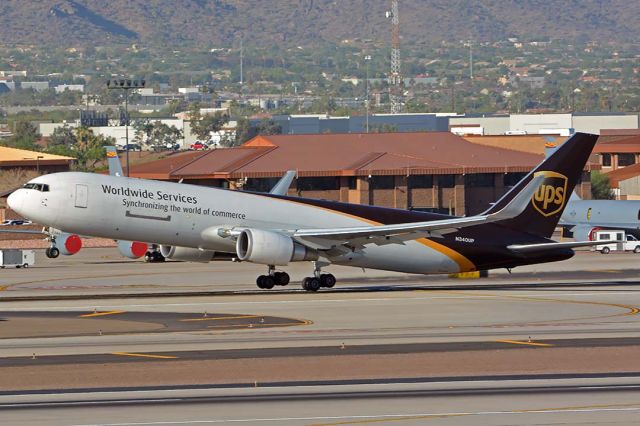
(17, 258)
(618, 241)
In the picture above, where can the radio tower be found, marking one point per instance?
(395, 78)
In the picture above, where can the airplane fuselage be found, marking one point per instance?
(192, 216)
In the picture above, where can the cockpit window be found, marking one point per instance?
(42, 187)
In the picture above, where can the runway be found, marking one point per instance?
(98, 324)
(486, 401)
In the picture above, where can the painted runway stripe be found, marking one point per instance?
(144, 355)
(100, 314)
(518, 342)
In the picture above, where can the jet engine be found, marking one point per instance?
(68, 244)
(187, 254)
(132, 249)
(271, 248)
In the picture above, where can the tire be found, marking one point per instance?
(313, 284)
(636, 249)
(327, 280)
(268, 282)
(305, 282)
(147, 257)
(282, 278)
(605, 250)
(259, 282)
(54, 252)
(25, 265)
(18, 266)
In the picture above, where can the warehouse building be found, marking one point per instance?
(429, 171)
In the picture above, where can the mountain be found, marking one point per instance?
(210, 23)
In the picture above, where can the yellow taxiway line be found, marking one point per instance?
(144, 355)
(100, 314)
(518, 342)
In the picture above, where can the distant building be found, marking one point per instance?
(38, 86)
(12, 158)
(430, 171)
(71, 87)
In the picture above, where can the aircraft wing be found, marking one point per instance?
(531, 248)
(397, 233)
(282, 186)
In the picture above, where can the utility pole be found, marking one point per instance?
(126, 85)
(471, 59)
(241, 60)
(367, 59)
(395, 77)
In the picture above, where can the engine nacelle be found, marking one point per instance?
(271, 248)
(187, 254)
(132, 249)
(68, 244)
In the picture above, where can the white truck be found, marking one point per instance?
(615, 240)
(17, 258)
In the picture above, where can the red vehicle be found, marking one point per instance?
(199, 145)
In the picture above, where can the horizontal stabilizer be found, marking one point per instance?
(531, 248)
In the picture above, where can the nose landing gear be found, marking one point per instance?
(52, 252)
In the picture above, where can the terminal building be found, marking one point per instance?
(429, 171)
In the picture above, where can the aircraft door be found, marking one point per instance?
(82, 196)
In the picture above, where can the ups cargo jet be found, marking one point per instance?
(195, 223)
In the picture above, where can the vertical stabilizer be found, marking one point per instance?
(561, 171)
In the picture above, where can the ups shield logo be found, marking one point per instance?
(551, 194)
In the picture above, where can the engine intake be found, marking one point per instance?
(271, 248)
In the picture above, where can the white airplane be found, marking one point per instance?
(194, 223)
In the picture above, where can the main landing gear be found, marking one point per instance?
(153, 255)
(272, 279)
(314, 283)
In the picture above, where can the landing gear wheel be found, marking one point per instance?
(148, 257)
(268, 282)
(265, 282)
(605, 250)
(52, 252)
(281, 278)
(311, 284)
(327, 280)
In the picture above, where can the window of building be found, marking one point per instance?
(352, 182)
(479, 180)
(511, 179)
(259, 184)
(606, 160)
(382, 182)
(420, 181)
(324, 183)
(626, 159)
(446, 181)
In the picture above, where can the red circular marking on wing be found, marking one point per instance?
(73, 244)
(138, 249)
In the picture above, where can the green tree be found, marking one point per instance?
(143, 129)
(203, 126)
(63, 136)
(600, 187)
(25, 136)
(163, 136)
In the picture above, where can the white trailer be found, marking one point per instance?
(17, 258)
(615, 240)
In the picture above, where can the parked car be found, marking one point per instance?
(199, 145)
(131, 147)
(14, 222)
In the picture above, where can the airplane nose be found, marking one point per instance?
(15, 200)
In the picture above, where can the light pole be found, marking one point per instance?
(367, 59)
(126, 84)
